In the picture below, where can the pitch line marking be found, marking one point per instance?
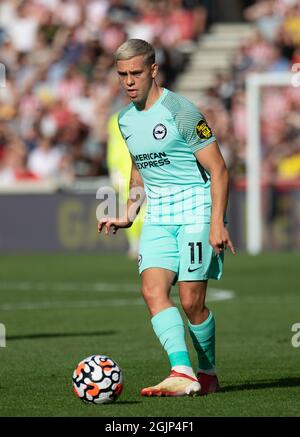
(213, 295)
(67, 286)
(98, 287)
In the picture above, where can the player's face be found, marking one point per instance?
(136, 78)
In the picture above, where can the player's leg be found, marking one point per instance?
(192, 297)
(156, 287)
(201, 324)
(198, 263)
(169, 328)
(158, 268)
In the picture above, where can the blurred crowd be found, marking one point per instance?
(274, 46)
(61, 88)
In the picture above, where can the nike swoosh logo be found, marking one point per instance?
(126, 138)
(193, 270)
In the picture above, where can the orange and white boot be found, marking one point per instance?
(176, 384)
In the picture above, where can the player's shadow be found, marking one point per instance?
(259, 385)
(50, 335)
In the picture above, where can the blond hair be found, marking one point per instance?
(135, 47)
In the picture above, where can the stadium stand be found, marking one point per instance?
(60, 87)
(58, 60)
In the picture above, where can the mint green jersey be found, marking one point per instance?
(162, 141)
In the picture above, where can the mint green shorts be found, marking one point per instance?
(184, 249)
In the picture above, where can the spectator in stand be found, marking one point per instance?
(291, 24)
(267, 17)
(13, 164)
(48, 162)
(289, 165)
(23, 28)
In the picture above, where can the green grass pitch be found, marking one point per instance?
(58, 309)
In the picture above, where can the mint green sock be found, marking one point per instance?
(203, 337)
(169, 328)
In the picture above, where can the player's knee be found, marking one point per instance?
(149, 291)
(153, 295)
(191, 303)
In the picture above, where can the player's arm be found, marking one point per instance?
(212, 160)
(136, 193)
(135, 200)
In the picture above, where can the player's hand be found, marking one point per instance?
(219, 239)
(112, 224)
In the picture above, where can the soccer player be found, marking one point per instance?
(176, 158)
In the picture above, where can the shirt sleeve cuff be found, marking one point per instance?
(203, 144)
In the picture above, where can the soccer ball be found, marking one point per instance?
(97, 380)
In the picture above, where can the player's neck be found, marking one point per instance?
(153, 95)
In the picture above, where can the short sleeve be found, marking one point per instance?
(193, 127)
(190, 122)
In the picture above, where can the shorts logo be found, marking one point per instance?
(203, 130)
(140, 259)
(159, 131)
(190, 270)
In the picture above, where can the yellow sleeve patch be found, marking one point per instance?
(203, 130)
